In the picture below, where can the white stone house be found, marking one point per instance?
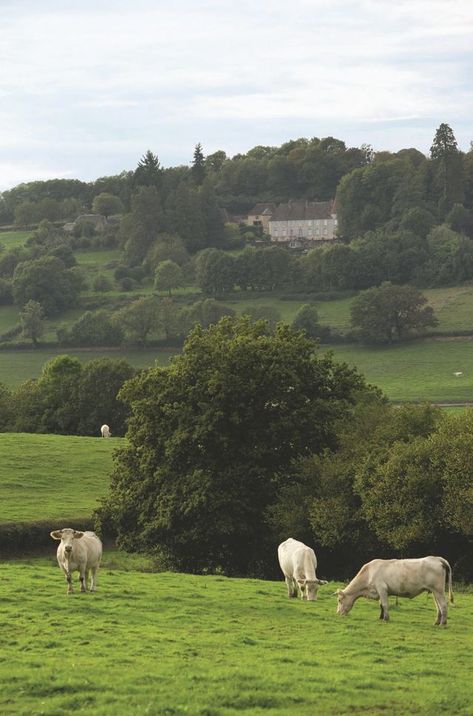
(299, 223)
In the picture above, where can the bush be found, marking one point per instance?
(101, 283)
(6, 297)
(127, 284)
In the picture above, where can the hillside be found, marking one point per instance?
(52, 477)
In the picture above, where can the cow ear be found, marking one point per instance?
(57, 534)
(77, 534)
(337, 593)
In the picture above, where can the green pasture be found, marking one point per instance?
(416, 371)
(172, 644)
(453, 307)
(16, 366)
(336, 314)
(52, 476)
(10, 239)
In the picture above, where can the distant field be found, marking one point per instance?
(10, 239)
(174, 644)
(52, 476)
(20, 365)
(453, 307)
(421, 370)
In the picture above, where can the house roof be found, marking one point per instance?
(304, 210)
(262, 208)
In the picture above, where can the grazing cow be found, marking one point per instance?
(401, 578)
(298, 564)
(81, 551)
(105, 431)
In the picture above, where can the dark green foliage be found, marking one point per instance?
(6, 408)
(460, 220)
(388, 313)
(6, 297)
(107, 204)
(448, 167)
(168, 275)
(139, 229)
(101, 283)
(100, 383)
(206, 312)
(47, 281)
(139, 318)
(263, 269)
(210, 435)
(307, 319)
(215, 272)
(72, 399)
(93, 329)
(198, 168)
(148, 172)
(32, 321)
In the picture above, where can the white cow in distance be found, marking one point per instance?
(401, 578)
(298, 564)
(105, 431)
(80, 551)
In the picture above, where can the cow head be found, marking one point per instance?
(309, 588)
(67, 537)
(345, 602)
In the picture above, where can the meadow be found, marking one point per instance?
(17, 366)
(421, 370)
(162, 643)
(52, 476)
(416, 371)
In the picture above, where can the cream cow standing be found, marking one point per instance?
(105, 431)
(298, 564)
(401, 578)
(80, 551)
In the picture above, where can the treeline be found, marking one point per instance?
(68, 398)
(252, 436)
(308, 168)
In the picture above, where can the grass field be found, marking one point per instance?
(421, 370)
(19, 365)
(52, 476)
(174, 644)
(10, 239)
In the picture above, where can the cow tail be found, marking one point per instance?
(448, 569)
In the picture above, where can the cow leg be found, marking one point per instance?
(69, 582)
(384, 606)
(83, 584)
(442, 608)
(93, 579)
(291, 590)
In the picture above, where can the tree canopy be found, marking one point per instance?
(212, 436)
(388, 312)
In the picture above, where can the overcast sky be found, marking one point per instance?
(86, 87)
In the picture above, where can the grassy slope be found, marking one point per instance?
(10, 239)
(183, 644)
(52, 476)
(422, 370)
(20, 365)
